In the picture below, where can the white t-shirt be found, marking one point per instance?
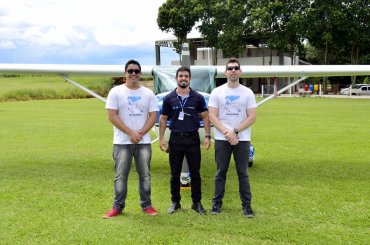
(232, 105)
(133, 106)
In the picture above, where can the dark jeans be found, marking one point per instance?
(188, 146)
(223, 151)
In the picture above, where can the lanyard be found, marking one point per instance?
(182, 102)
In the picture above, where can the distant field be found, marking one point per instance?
(31, 82)
(310, 179)
(28, 87)
(37, 87)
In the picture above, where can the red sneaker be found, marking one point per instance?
(150, 211)
(111, 213)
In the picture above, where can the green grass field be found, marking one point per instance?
(37, 87)
(310, 179)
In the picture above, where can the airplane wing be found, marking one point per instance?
(247, 71)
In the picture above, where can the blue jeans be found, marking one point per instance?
(123, 155)
(223, 151)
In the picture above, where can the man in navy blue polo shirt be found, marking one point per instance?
(183, 107)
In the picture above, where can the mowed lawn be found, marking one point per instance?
(310, 179)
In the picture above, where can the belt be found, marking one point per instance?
(185, 134)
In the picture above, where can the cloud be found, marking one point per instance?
(77, 28)
(6, 44)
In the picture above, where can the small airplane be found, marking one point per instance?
(302, 72)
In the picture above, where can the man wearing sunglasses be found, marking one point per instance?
(232, 111)
(133, 110)
(182, 107)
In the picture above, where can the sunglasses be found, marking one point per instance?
(230, 68)
(132, 71)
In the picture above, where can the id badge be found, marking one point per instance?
(181, 115)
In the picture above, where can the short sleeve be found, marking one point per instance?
(111, 102)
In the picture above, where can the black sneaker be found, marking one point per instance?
(216, 208)
(248, 212)
(198, 207)
(174, 207)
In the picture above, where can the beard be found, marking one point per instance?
(183, 85)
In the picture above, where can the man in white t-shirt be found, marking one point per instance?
(133, 111)
(232, 111)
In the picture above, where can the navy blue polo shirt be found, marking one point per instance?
(192, 106)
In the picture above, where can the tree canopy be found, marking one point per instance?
(337, 30)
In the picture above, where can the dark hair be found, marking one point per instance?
(134, 62)
(183, 68)
(232, 60)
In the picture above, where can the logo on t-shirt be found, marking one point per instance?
(134, 106)
(231, 105)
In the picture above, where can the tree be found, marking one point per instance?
(291, 32)
(261, 22)
(212, 17)
(325, 31)
(278, 24)
(177, 17)
(222, 25)
(232, 35)
(357, 27)
(339, 30)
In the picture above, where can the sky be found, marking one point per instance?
(108, 32)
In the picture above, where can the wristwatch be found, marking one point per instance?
(208, 136)
(236, 131)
